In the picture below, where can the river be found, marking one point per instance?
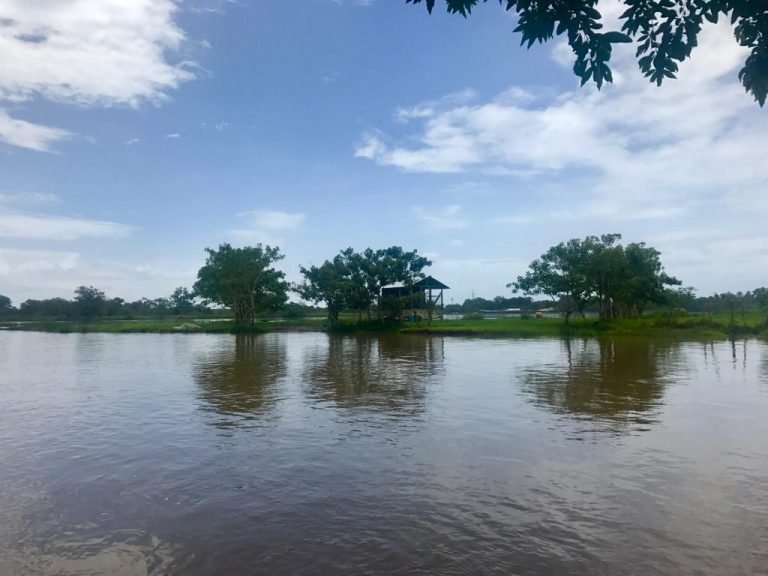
(304, 453)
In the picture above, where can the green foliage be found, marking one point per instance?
(182, 301)
(353, 280)
(621, 280)
(6, 307)
(326, 283)
(90, 302)
(243, 279)
(664, 31)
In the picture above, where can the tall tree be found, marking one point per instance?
(182, 301)
(665, 32)
(243, 279)
(90, 302)
(327, 283)
(6, 306)
(560, 274)
(761, 297)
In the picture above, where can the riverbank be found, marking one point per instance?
(694, 326)
(163, 326)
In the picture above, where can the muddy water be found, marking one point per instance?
(309, 454)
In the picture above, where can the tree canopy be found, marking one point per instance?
(665, 33)
(353, 280)
(621, 280)
(90, 302)
(6, 306)
(243, 279)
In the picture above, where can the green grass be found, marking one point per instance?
(161, 326)
(694, 326)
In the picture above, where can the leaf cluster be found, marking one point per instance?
(664, 31)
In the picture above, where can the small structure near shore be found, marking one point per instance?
(421, 300)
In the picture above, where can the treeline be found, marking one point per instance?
(497, 304)
(90, 303)
(594, 274)
(732, 302)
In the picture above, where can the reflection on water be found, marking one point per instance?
(239, 378)
(619, 381)
(310, 454)
(389, 372)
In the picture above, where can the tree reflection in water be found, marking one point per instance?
(619, 383)
(388, 372)
(239, 380)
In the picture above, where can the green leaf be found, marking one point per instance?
(617, 37)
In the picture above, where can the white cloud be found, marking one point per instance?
(273, 220)
(447, 218)
(633, 157)
(102, 52)
(430, 109)
(50, 273)
(14, 262)
(28, 135)
(132, 141)
(263, 226)
(85, 52)
(27, 198)
(696, 135)
(49, 227)
(173, 136)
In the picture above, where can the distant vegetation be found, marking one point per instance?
(353, 280)
(594, 276)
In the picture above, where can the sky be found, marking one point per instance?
(136, 133)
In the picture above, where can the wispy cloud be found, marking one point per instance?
(20, 261)
(447, 218)
(43, 273)
(632, 151)
(28, 135)
(27, 199)
(265, 226)
(173, 136)
(132, 141)
(273, 220)
(50, 227)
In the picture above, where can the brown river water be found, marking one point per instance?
(304, 453)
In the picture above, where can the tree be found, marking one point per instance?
(6, 307)
(50, 308)
(761, 297)
(353, 280)
(327, 283)
(622, 280)
(243, 279)
(89, 302)
(182, 301)
(561, 274)
(665, 32)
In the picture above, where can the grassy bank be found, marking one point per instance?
(162, 326)
(699, 327)
(693, 326)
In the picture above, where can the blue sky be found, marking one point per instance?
(134, 133)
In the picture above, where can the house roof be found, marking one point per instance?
(430, 282)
